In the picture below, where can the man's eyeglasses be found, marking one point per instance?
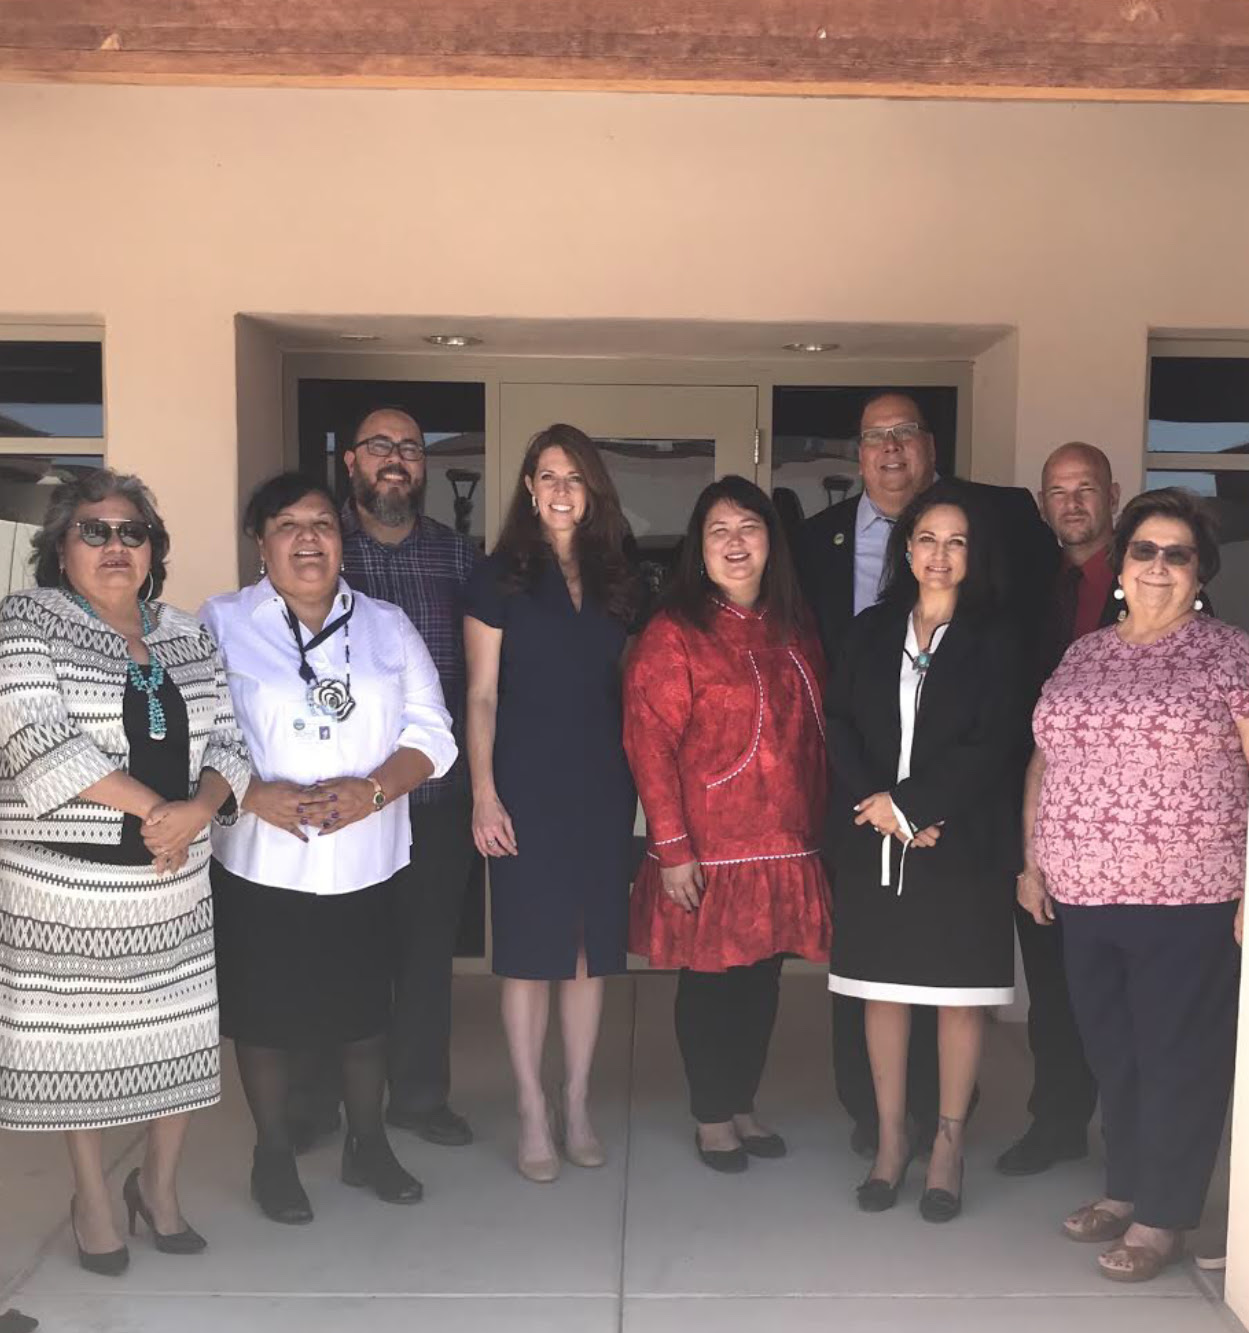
(411, 451)
(1176, 556)
(96, 532)
(905, 432)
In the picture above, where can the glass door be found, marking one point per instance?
(662, 444)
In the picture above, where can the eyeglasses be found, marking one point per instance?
(1176, 556)
(905, 432)
(96, 532)
(411, 451)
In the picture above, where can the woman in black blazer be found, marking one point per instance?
(928, 716)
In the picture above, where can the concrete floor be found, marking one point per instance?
(654, 1242)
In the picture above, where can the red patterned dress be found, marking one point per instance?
(724, 730)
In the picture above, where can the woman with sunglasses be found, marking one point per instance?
(1134, 829)
(117, 747)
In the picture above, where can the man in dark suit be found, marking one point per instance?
(840, 555)
(1078, 499)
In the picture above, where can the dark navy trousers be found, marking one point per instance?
(1155, 994)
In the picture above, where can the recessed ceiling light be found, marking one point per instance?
(359, 337)
(811, 347)
(452, 340)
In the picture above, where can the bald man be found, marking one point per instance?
(1079, 498)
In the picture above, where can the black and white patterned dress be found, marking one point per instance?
(108, 996)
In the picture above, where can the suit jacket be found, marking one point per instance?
(969, 745)
(1021, 540)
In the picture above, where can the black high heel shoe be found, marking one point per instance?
(186, 1241)
(876, 1195)
(110, 1263)
(276, 1187)
(372, 1162)
(937, 1205)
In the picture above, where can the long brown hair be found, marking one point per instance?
(600, 537)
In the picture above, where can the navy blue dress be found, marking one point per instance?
(561, 773)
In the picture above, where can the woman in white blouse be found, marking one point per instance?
(344, 716)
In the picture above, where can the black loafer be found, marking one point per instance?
(1040, 1149)
(371, 1163)
(728, 1161)
(764, 1145)
(276, 1187)
(440, 1126)
(864, 1140)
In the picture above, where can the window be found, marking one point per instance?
(1198, 437)
(51, 427)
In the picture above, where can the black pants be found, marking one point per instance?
(724, 1023)
(852, 1069)
(1155, 993)
(427, 901)
(1064, 1091)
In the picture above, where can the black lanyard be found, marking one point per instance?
(306, 673)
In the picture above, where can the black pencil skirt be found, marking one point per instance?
(297, 969)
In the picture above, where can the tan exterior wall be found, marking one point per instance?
(164, 212)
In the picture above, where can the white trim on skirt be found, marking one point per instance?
(903, 994)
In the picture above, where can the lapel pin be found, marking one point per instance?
(839, 539)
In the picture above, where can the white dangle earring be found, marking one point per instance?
(1119, 596)
(1199, 605)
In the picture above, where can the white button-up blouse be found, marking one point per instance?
(398, 703)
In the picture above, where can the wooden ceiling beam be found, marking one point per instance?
(1124, 49)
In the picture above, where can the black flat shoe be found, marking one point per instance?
(440, 1126)
(276, 1187)
(109, 1263)
(186, 1241)
(1040, 1149)
(941, 1205)
(877, 1195)
(372, 1163)
(764, 1145)
(728, 1161)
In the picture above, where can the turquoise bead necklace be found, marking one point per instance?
(148, 684)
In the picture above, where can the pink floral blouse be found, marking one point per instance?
(1146, 790)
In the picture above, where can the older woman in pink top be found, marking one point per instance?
(1134, 826)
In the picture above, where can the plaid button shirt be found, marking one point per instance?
(424, 574)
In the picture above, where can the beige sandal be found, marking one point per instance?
(1092, 1225)
(1143, 1262)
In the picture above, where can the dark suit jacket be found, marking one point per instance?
(1020, 537)
(967, 753)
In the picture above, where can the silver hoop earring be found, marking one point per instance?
(263, 567)
(534, 501)
(150, 584)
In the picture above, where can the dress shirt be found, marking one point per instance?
(425, 574)
(1096, 581)
(871, 537)
(398, 703)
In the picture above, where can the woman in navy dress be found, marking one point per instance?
(547, 618)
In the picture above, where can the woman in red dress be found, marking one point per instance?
(725, 736)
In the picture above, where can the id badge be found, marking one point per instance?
(306, 728)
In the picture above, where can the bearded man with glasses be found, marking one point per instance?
(840, 555)
(396, 553)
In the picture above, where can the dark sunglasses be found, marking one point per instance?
(96, 532)
(1176, 556)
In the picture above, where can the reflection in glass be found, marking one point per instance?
(659, 482)
(1227, 494)
(26, 484)
(51, 389)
